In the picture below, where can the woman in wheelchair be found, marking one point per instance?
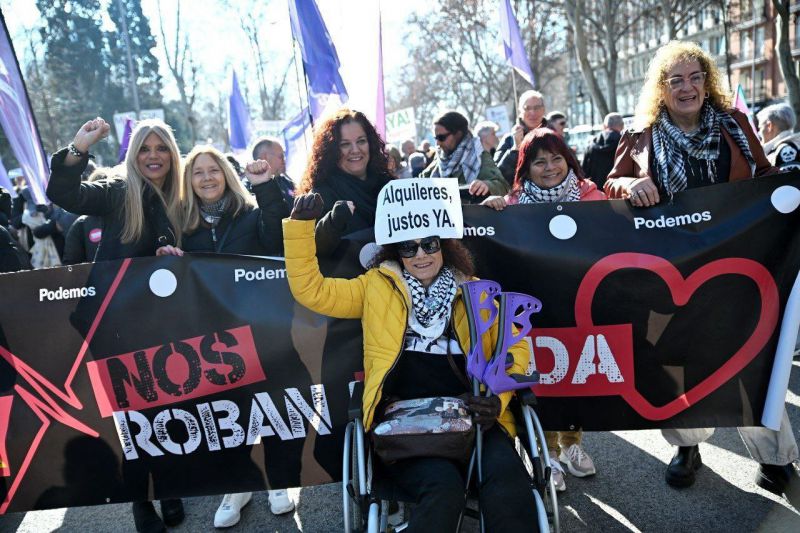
(415, 336)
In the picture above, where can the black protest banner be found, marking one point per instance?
(160, 377)
(661, 317)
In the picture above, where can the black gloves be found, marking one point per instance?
(485, 410)
(307, 207)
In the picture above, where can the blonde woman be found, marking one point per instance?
(687, 134)
(689, 137)
(139, 211)
(139, 204)
(218, 214)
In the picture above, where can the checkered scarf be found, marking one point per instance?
(434, 304)
(566, 191)
(466, 158)
(670, 144)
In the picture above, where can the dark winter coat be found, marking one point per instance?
(83, 240)
(255, 231)
(106, 199)
(335, 223)
(599, 158)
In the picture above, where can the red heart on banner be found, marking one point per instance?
(682, 289)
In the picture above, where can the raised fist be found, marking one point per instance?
(307, 207)
(90, 133)
(258, 172)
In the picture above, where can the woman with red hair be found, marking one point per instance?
(547, 172)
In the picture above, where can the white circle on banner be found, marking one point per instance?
(368, 253)
(163, 282)
(785, 198)
(563, 227)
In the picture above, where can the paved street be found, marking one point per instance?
(628, 493)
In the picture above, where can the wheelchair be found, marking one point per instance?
(366, 498)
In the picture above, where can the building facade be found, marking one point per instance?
(740, 34)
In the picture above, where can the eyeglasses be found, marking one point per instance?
(676, 82)
(533, 107)
(563, 123)
(429, 245)
(442, 136)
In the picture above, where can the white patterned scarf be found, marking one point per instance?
(465, 159)
(670, 144)
(566, 191)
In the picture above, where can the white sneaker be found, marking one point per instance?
(557, 473)
(579, 463)
(279, 502)
(229, 512)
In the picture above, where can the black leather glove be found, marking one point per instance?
(485, 410)
(307, 207)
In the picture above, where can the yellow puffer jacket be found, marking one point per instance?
(381, 300)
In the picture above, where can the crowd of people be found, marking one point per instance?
(157, 202)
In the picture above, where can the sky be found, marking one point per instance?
(218, 42)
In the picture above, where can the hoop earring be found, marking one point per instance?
(707, 95)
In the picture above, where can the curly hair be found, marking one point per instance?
(325, 152)
(454, 254)
(651, 99)
(542, 139)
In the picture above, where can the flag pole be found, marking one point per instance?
(514, 85)
(300, 89)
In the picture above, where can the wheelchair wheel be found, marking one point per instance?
(351, 500)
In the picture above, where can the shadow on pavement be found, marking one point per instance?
(630, 489)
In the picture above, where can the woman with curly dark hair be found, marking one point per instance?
(347, 168)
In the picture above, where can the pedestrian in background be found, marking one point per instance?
(599, 157)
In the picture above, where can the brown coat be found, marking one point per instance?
(635, 152)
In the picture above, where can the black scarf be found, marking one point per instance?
(363, 193)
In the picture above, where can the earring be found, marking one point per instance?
(707, 95)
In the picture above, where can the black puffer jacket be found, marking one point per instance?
(106, 199)
(256, 231)
(599, 158)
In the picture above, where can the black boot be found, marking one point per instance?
(680, 472)
(172, 511)
(146, 519)
(781, 480)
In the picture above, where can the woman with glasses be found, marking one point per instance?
(547, 172)
(415, 334)
(692, 138)
(347, 168)
(688, 135)
(461, 155)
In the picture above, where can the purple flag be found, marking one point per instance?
(126, 139)
(320, 61)
(18, 122)
(297, 139)
(512, 43)
(238, 118)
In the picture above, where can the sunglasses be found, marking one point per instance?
(429, 245)
(442, 136)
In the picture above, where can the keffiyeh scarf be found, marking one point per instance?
(670, 144)
(567, 191)
(212, 213)
(432, 307)
(466, 158)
